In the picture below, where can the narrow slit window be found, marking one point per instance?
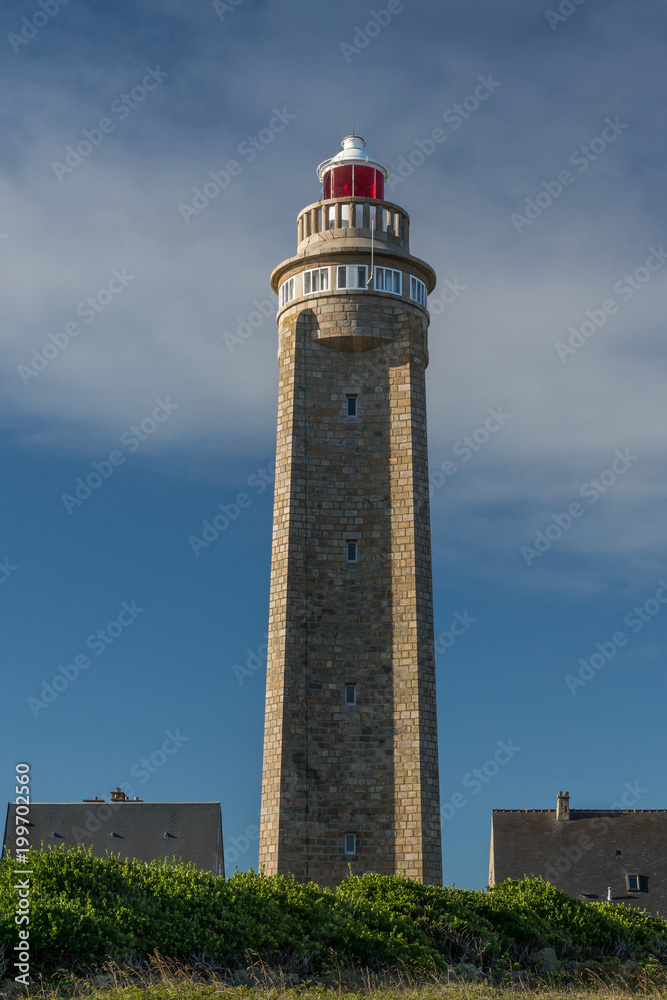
(350, 843)
(352, 551)
(350, 694)
(351, 406)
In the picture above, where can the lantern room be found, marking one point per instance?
(352, 172)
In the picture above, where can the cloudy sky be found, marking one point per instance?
(139, 349)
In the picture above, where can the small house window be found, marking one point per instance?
(350, 694)
(619, 854)
(350, 843)
(417, 291)
(388, 280)
(351, 551)
(286, 291)
(637, 883)
(351, 406)
(316, 280)
(352, 276)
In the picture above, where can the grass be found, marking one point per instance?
(162, 979)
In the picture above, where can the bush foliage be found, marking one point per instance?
(85, 910)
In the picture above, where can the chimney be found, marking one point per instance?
(563, 806)
(118, 795)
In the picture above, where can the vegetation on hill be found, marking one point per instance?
(84, 911)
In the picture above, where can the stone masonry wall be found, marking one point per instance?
(370, 769)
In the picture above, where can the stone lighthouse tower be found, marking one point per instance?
(350, 745)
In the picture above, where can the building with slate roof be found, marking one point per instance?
(592, 854)
(144, 831)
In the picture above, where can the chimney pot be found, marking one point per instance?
(563, 806)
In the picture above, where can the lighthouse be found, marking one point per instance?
(350, 773)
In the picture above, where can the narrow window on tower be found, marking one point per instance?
(286, 291)
(352, 553)
(418, 291)
(351, 406)
(350, 843)
(350, 694)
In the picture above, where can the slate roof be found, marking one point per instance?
(585, 854)
(147, 831)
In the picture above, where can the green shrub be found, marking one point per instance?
(85, 910)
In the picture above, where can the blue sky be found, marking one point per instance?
(542, 204)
